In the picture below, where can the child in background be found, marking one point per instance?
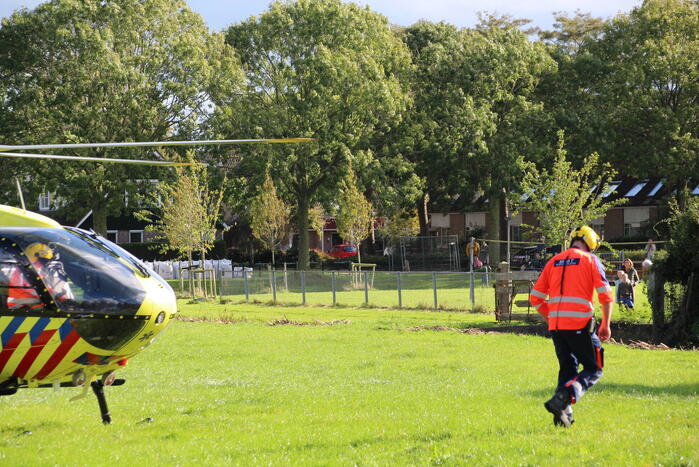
(625, 290)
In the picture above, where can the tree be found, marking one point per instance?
(566, 93)
(510, 69)
(75, 71)
(445, 127)
(316, 221)
(269, 216)
(400, 224)
(355, 217)
(565, 198)
(320, 68)
(189, 211)
(646, 81)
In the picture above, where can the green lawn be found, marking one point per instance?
(417, 291)
(367, 392)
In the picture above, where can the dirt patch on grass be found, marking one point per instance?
(196, 319)
(287, 322)
(445, 328)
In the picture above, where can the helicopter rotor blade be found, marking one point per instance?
(96, 159)
(154, 143)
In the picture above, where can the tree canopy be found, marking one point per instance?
(75, 71)
(320, 68)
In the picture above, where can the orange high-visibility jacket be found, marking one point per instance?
(21, 293)
(569, 280)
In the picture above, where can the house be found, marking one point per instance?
(646, 200)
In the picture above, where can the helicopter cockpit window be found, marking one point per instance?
(80, 275)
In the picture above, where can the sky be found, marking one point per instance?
(220, 13)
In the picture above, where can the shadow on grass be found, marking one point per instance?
(684, 389)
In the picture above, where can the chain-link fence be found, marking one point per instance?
(460, 291)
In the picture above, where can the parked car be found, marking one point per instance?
(343, 251)
(533, 258)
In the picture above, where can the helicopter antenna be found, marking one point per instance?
(21, 197)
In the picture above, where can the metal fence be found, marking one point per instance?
(457, 290)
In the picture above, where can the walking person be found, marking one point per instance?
(563, 296)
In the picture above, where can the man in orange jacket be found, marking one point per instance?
(563, 296)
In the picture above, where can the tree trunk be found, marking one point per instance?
(682, 186)
(494, 219)
(302, 222)
(422, 214)
(272, 257)
(99, 220)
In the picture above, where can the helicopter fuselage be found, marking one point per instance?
(78, 316)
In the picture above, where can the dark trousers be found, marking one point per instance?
(575, 348)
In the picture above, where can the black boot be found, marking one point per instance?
(569, 412)
(558, 405)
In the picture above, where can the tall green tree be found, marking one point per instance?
(647, 86)
(320, 68)
(509, 70)
(75, 71)
(446, 126)
(355, 216)
(269, 216)
(475, 109)
(566, 92)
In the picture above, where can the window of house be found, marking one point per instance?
(45, 202)
(113, 235)
(474, 220)
(136, 236)
(612, 188)
(635, 189)
(516, 233)
(655, 189)
(633, 219)
(598, 226)
(438, 221)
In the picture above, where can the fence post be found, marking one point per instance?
(434, 288)
(245, 284)
(303, 287)
(366, 287)
(334, 288)
(471, 285)
(400, 292)
(274, 286)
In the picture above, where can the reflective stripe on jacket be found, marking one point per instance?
(21, 293)
(568, 281)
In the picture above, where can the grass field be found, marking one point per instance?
(365, 391)
(417, 291)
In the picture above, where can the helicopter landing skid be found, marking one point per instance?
(98, 389)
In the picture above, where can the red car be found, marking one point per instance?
(343, 251)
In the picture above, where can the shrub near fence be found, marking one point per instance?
(379, 289)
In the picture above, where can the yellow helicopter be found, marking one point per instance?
(75, 307)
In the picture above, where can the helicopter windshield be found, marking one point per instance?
(79, 274)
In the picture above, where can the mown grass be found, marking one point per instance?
(417, 292)
(369, 392)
